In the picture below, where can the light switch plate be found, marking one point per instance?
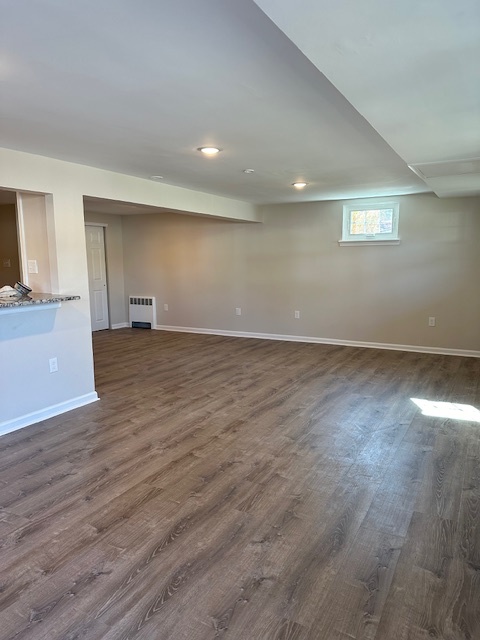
(32, 266)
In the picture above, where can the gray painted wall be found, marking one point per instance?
(204, 269)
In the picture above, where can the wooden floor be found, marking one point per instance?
(246, 490)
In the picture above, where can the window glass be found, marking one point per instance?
(371, 221)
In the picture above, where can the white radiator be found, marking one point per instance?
(142, 312)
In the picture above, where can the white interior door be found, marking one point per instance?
(97, 276)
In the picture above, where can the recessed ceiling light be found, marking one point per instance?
(299, 185)
(249, 171)
(156, 177)
(209, 151)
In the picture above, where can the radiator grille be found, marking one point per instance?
(142, 301)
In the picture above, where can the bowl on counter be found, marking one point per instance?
(22, 288)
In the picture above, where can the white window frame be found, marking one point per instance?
(349, 239)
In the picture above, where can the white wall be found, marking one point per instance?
(28, 340)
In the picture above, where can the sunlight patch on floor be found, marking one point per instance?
(450, 410)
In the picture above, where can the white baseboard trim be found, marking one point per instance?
(315, 340)
(120, 325)
(48, 412)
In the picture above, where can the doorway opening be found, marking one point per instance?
(9, 253)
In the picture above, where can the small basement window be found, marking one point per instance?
(375, 223)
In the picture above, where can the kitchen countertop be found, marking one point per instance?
(34, 300)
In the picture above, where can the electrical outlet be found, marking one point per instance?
(431, 321)
(297, 315)
(165, 307)
(53, 363)
(238, 311)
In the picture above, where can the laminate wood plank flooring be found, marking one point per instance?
(247, 490)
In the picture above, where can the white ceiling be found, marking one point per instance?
(411, 68)
(136, 87)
